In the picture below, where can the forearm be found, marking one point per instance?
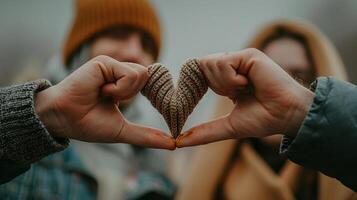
(24, 138)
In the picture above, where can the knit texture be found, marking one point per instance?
(23, 137)
(92, 17)
(175, 104)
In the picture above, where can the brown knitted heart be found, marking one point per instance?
(175, 104)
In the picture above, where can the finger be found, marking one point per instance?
(229, 79)
(143, 74)
(212, 81)
(259, 68)
(110, 69)
(223, 78)
(239, 61)
(121, 89)
(215, 80)
(97, 72)
(213, 131)
(145, 136)
(240, 80)
(229, 75)
(130, 84)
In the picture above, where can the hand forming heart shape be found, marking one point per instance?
(175, 104)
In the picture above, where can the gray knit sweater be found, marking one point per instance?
(23, 137)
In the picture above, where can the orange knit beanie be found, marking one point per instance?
(94, 16)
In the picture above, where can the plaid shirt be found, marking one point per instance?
(63, 176)
(59, 176)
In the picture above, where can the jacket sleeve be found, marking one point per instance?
(23, 137)
(327, 139)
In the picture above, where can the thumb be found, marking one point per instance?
(121, 89)
(216, 130)
(145, 136)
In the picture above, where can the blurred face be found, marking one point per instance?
(292, 56)
(124, 45)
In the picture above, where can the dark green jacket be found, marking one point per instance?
(327, 139)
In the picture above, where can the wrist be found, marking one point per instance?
(304, 99)
(45, 108)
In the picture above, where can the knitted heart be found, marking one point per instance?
(175, 104)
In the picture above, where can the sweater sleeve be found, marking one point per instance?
(327, 138)
(23, 137)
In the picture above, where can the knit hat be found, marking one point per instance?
(93, 17)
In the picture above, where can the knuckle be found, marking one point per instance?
(220, 63)
(133, 75)
(144, 72)
(255, 56)
(101, 58)
(203, 62)
(254, 52)
(253, 61)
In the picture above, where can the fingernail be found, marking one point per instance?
(174, 144)
(180, 142)
(177, 141)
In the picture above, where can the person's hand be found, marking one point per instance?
(84, 106)
(267, 100)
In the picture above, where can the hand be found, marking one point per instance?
(84, 106)
(267, 100)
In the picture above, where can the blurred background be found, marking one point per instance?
(32, 32)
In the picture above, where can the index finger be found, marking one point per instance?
(145, 136)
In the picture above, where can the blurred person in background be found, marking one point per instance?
(128, 31)
(253, 168)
